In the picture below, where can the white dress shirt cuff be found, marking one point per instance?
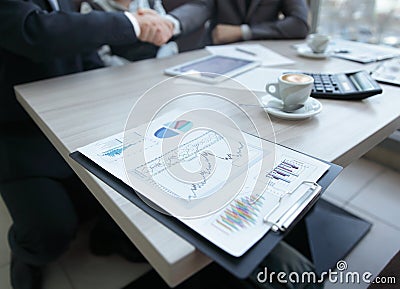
(177, 24)
(134, 22)
(246, 32)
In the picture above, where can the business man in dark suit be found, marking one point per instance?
(237, 20)
(41, 39)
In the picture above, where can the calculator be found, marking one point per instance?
(345, 86)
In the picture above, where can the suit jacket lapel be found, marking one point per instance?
(252, 9)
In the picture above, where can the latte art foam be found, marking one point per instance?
(297, 78)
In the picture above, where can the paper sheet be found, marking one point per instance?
(261, 53)
(388, 71)
(254, 80)
(257, 78)
(234, 226)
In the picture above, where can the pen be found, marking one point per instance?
(245, 51)
(341, 51)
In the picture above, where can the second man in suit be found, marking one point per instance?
(237, 20)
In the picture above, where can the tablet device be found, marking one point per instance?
(212, 69)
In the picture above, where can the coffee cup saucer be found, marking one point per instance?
(307, 52)
(311, 107)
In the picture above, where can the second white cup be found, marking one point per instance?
(318, 43)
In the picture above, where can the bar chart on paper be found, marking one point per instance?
(116, 151)
(287, 172)
(244, 211)
(112, 149)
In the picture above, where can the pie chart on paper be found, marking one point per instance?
(174, 128)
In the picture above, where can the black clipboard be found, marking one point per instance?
(241, 267)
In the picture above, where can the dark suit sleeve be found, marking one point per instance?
(293, 25)
(32, 32)
(91, 61)
(193, 14)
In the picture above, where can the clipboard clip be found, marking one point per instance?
(287, 218)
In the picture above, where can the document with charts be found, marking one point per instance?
(218, 184)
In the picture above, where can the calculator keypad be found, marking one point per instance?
(331, 83)
(346, 86)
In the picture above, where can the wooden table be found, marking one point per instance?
(78, 109)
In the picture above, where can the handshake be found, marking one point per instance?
(154, 28)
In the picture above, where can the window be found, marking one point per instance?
(372, 21)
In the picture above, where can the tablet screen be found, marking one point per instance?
(217, 64)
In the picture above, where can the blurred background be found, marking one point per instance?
(370, 21)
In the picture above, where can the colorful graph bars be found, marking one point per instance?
(240, 214)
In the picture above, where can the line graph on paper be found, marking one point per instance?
(206, 155)
(183, 153)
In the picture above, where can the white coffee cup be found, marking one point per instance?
(318, 42)
(293, 89)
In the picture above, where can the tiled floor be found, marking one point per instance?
(365, 188)
(372, 192)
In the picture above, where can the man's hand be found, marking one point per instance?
(224, 33)
(154, 28)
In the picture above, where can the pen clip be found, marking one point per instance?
(287, 218)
